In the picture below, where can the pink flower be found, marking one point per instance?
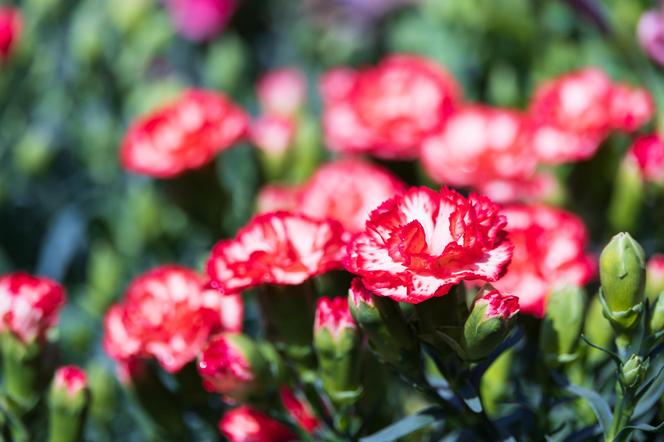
(631, 107)
(389, 109)
(650, 32)
(245, 424)
(348, 190)
(299, 410)
(273, 134)
(72, 379)
(549, 250)
(225, 367)
(282, 92)
(167, 314)
(655, 276)
(276, 248)
(199, 20)
(333, 315)
(183, 135)
(29, 305)
(418, 245)
(11, 24)
(647, 152)
(274, 197)
(480, 147)
(498, 305)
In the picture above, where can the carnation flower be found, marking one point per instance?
(347, 190)
(71, 379)
(276, 248)
(183, 135)
(333, 314)
(200, 20)
(29, 305)
(299, 410)
(225, 367)
(418, 245)
(549, 251)
(274, 197)
(389, 109)
(647, 152)
(10, 30)
(245, 424)
(282, 92)
(479, 147)
(631, 107)
(167, 314)
(273, 134)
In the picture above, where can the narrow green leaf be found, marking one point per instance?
(405, 426)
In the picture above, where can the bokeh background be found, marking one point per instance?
(83, 70)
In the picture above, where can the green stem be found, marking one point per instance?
(622, 413)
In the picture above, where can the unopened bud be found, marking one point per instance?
(657, 315)
(68, 403)
(633, 371)
(623, 274)
(488, 322)
(562, 325)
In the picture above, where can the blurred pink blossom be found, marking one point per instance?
(200, 20)
(650, 32)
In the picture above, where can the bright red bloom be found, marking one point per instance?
(167, 314)
(29, 305)
(348, 190)
(183, 135)
(71, 378)
(245, 424)
(225, 367)
(10, 30)
(274, 197)
(282, 91)
(273, 134)
(481, 147)
(505, 306)
(389, 109)
(276, 248)
(333, 315)
(647, 152)
(299, 410)
(200, 20)
(631, 107)
(549, 250)
(420, 244)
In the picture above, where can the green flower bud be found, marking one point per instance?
(598, 330)
(622, 273)
(389, 334)
(336, 341)
(657, 315)
(488, 323)
(562, 325)
(68, 402)
(633, 371)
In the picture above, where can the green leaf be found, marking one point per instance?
(405, 426)
(599, 406)
(641, 427)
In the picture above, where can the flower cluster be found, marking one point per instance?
(183, 135)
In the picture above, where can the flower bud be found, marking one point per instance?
(622, 273)
(598, 330)
(245, 424)
(235, 366)
(336, 341)
(562, 325)
(488, 322)
(655, 277)
(633, 371)
(299, 410)
(657, 315)
(389, 335)
(68, 401)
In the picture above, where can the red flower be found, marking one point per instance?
(71, 379)
(299, 410)
(10, 30)
(631, 107)
(245, 424)
(225, 368)
(420, 244)
(183, 135)
(276, 248)
(273, 134)
(647, 152)
(273, 198)
(481, 147)
(498, 305)
(29, 305)
(549, 249)
(348, 190)
(282, 92)
(333, 315)
(167, 315)
(389, 109)
(200, 20)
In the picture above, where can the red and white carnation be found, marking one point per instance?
(549, 251)
(278, 248)
(224, 367)
(647, 153)
(282, 92)
(71, 379)
(418, 245)
(389, 109)
(244, 424)
(29, 305)
(333, 315)
(183, 135)
(275, 197)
